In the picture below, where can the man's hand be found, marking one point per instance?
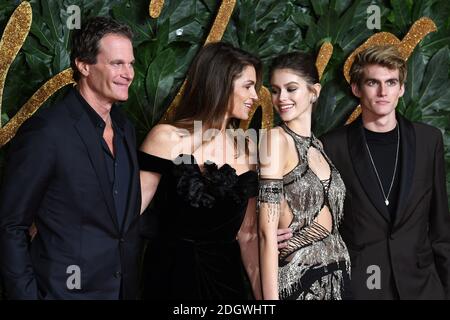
(32, 231)
(282, 236)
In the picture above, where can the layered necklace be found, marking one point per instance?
(386, 197)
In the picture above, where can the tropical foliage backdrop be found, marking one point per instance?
(165, 46)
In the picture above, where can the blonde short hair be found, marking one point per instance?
(386, 56)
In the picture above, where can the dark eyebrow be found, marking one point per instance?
(249, 82)
(287, 84)
(120, 61)
(376, 80)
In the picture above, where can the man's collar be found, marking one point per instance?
(116, 116)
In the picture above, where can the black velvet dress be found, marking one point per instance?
(192, 223)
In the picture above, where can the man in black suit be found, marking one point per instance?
(72, 170)
(396, 219)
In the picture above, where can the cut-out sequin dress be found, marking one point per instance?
(315, 265)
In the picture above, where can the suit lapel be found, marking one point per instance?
(134, 184)
(86, 130)
(363, 167)
(407, 164)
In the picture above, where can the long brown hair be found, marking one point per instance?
(209, 85)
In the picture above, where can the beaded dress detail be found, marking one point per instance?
(315, 264)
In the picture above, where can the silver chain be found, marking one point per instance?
(386, 201)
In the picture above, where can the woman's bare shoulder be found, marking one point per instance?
(163, 141)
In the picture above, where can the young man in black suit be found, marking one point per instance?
(396, 219)
(72, 170)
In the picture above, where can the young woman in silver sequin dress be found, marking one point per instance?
(300, 189)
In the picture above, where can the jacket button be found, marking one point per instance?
(122, 240)
(117, 274)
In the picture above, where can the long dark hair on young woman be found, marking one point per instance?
(209, 85)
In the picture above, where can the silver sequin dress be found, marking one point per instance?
(316, 264)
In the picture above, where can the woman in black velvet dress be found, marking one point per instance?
(201, 176)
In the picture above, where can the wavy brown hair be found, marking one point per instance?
(209, 85)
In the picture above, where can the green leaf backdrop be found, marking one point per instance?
(164, 48)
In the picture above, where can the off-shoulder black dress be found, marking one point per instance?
(193, 223)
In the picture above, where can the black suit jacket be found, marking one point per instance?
(413, 251)
(56, 177)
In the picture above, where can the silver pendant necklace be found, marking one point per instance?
(386, 197)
